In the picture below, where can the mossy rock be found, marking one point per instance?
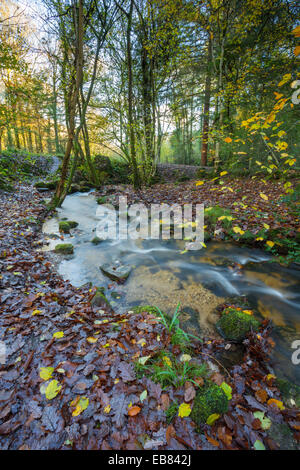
(45, 184)
(72, 223)
(99, 300)
(288, 391)
(281, 434)
(234, 325)
(209, 400)
(101, 200)
(66, 225)
(96, 240)
(64, 248)
(145, 308)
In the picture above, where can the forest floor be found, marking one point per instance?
(68, 381)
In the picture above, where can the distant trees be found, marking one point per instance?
(143, 79)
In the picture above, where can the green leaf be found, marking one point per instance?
(143, 395)
(212, 418)
(52, 389)
(46, 372)
(265, 422)
(227, 390)
(258, 445)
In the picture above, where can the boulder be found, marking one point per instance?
(116, 272)
(234, 325)
(64, 248)
(209, 400)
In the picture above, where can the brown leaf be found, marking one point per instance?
(134, 410)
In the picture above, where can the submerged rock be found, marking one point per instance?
(116, 272)
(290, 392)
(208, 401)
(281, 434)
(96, 240)
(100, 301)
(234, 325)
(64, 248)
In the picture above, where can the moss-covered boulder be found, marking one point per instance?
(72, 223)
(209, 400)
(234, 325)
(66, 225)
(64, 248)
(46, 184)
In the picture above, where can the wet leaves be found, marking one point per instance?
(62, 391)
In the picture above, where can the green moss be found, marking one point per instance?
(145, 308)
(64, 248)
(209, 400)
(64, 226)
(101, 200)
(288, 391)
(99, 299)
(96, 240)
(234, 325)
(213, 213)
(72, 223)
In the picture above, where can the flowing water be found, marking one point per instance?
(200, 280)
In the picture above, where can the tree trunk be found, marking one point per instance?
(205, 128)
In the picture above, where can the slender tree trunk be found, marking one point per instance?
(205, 128)
(74, 92)
(136, 176)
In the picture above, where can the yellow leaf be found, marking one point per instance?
(238, 230)
(267, 226)
(212, 418)
(278, 403)
(199, 183)
(223, 173)
(91, 339)
(52, 389)
(184, 410)
(46, 372)
(58, 334)
(36, 312)
(297, 50)
(107, 409)
(271, 376)
(167, 361)
(263, 196)
(296, 31)
(82, 405)
(270, 243)
(248, 312)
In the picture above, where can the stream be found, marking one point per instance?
(200, 280)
